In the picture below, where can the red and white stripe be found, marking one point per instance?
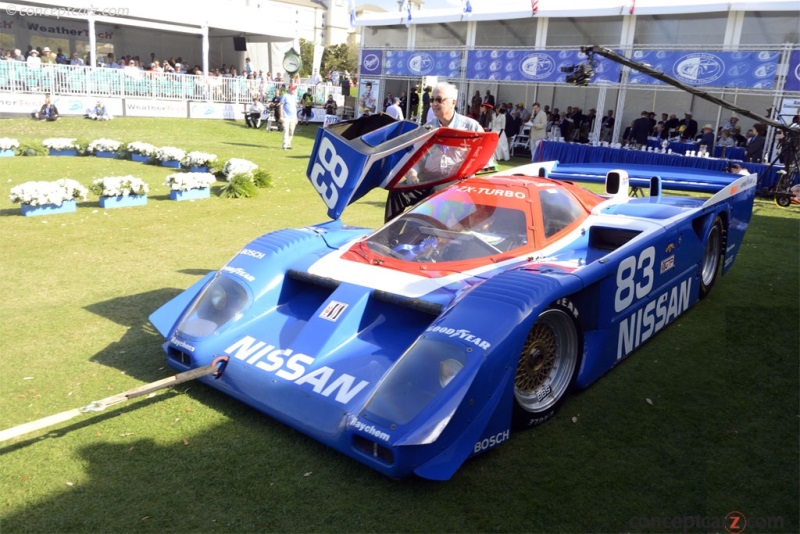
(534, 7)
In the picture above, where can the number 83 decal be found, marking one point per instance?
(630, 270)
(329, 173)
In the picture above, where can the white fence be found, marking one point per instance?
(17, 77)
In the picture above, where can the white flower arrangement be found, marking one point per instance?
(145, 149)
(103, 145)
(199, 159)
(236, 166)
(170, 153)
(119, 186)
(184, 181)
(60, 143)
(8, 144)
(41, 193)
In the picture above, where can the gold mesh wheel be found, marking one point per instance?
(547, 363)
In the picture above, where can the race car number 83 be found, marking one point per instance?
(329, 173)
(634, 278)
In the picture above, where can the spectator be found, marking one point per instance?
(394, 110)
(414, 104)
(754, 151)
(98, 112)
(707, 138)
(330, 105)
(640, 129)
(538, 130)
(725, 140)
(248, 67)
(289, 116)
(48, 111)
(499, 126)
(316, 79)
(426, 103)
(607, 126)
(308, 106)
(34, 60)
(253, 115)
(61, 59)
(47, 56)
(688, 126)
(76, 60)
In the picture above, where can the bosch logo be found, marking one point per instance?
(420, 63)
(537, 66)
(699, 68)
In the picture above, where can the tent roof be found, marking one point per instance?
(515, 9)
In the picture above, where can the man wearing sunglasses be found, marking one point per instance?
(443, 104)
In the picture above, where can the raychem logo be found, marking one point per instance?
(699, 68)
(537, 66)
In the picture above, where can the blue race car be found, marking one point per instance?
(429, 340)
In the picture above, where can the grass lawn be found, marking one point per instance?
(700, 422)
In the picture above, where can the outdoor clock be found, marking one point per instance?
(292, 62)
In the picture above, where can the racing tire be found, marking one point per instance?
(709, 268)
(547, 366)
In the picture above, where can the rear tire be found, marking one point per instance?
(711, 258)
(547, 367)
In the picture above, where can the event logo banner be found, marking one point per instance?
(534, 66)
(446, 63)
(371, 62)
(793, 74)
(746, 70)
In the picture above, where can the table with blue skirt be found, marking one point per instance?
(731, 152)
(578, 153)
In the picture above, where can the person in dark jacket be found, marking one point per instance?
(707, 138)
(641, 129)
(48, 111)
(688, 127)
(754, 151)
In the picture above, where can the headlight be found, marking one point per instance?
(220, 301)
(448, 369)
(423, 372)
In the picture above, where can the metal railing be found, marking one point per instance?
(19, 77)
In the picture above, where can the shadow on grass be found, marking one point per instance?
(137, 353)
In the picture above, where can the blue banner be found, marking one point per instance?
(423, 63)
(534, 65)
(747, 70)
(371, 62)
(793, 74)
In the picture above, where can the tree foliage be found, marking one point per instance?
(307, 53)
(339, 57)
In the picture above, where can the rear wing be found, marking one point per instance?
(351, 158)
(642, 176)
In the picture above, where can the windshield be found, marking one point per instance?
(452, 226)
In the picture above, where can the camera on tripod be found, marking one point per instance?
(580, 74)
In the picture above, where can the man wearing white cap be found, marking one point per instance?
(47, 56)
